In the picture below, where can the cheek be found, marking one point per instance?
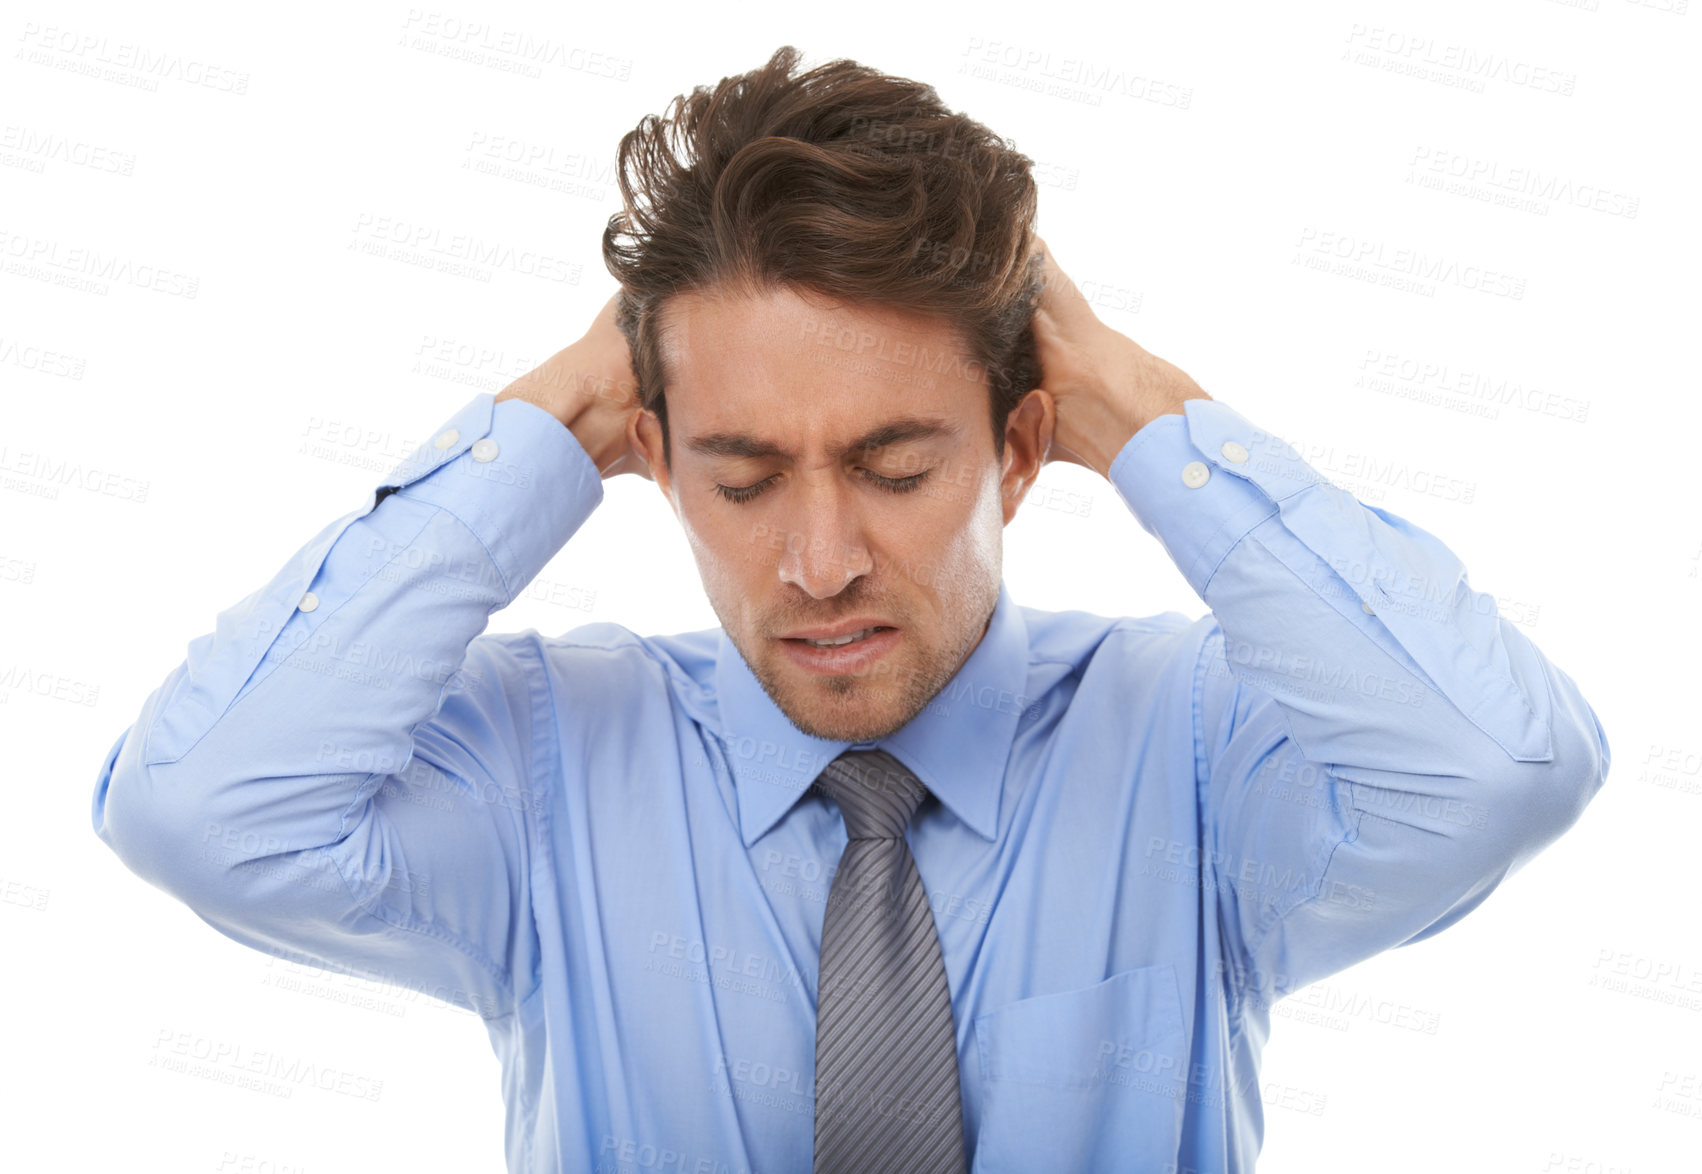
(718, 564)
(968, 546)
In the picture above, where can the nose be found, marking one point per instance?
(825, 546)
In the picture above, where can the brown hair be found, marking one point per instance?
(842, 181)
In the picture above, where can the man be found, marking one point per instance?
(887, 872)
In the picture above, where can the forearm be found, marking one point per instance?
(1380, 746)
(1312, 587)
(283, 721)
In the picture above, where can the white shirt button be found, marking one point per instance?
(484, 450)
(447, 437)
(1195, 474)
(1234, 452)
(1365, 606)
(308, 602)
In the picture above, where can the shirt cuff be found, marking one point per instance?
(1199, 481)
(513, 474)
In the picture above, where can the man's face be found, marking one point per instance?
(779, 396)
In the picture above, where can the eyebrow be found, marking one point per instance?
(898, 431)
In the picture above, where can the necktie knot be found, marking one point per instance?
(876, 793)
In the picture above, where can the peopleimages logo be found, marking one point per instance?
(1350, 255)
(1440, 163)
(1450, 64)
(87, 270)
(403, 240)
(99, 56)
(1076, 78)
(513, 50)
(233, 1063)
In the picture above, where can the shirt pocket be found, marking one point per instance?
(1089, 1079)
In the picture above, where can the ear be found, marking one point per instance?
(1028, 435)
(644, 437)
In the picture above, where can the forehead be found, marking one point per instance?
(813, 368)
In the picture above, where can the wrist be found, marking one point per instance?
(1148, 389)
(591, 404)
(1157, 387)
(600, 430)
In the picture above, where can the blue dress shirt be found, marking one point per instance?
(1143, 831)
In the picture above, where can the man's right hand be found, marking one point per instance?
(590, 387)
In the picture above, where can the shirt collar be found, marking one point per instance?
(958, 745)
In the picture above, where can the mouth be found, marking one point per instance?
(841, 652)
(837, 641)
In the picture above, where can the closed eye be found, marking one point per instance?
(743, 493)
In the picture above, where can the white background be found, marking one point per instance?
(215, 434)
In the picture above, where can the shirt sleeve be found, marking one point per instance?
(342, 771)
(1376, 746)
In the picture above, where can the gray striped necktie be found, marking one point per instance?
(887, 1097)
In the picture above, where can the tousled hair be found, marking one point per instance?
(841, 181)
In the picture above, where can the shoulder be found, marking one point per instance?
(606, 661)
(1081, 639)
(1111, 668)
